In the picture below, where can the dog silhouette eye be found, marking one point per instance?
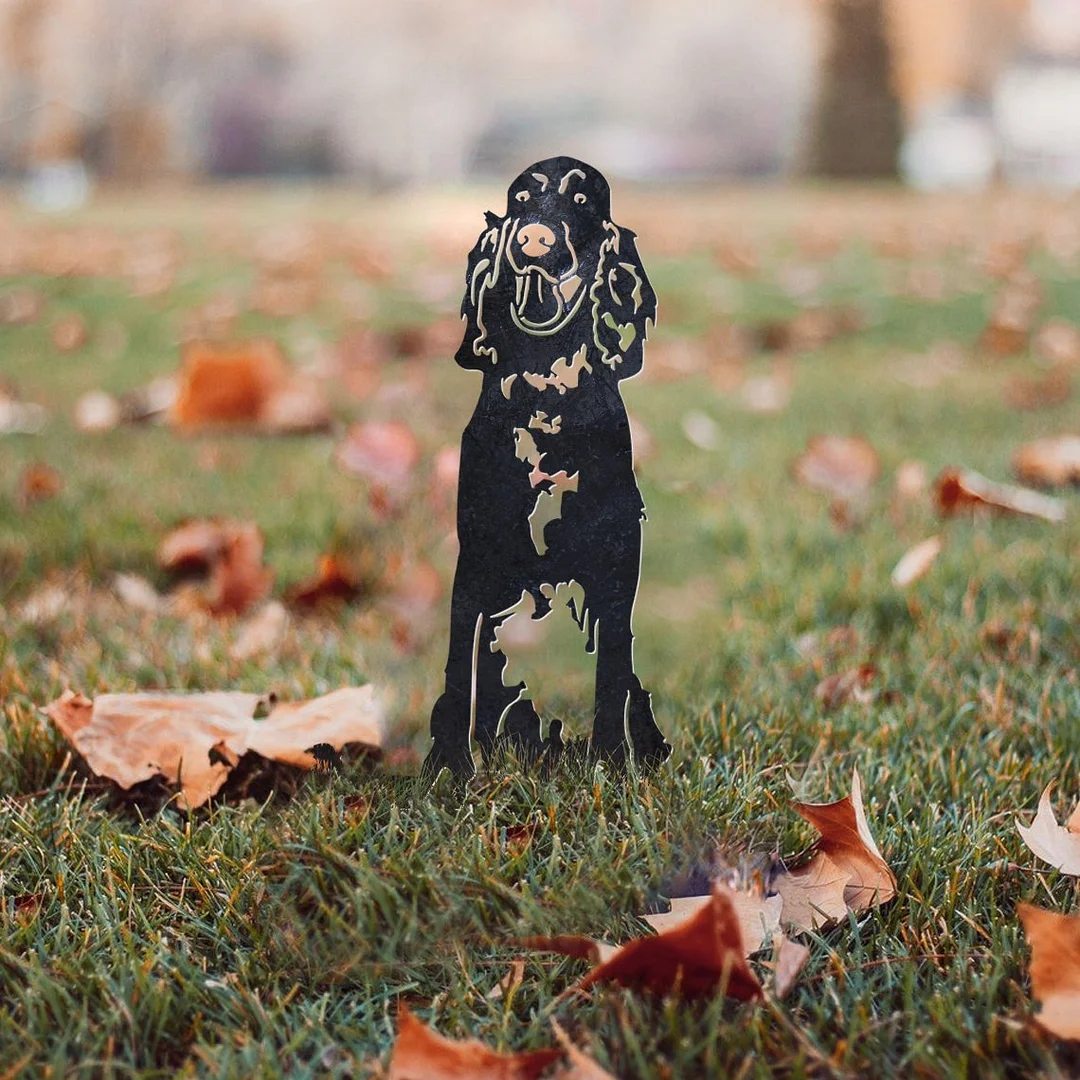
(522, 196)
(579, 197)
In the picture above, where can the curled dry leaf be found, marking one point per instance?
(813, 895)
(422, 1054)
(581, 1066)
(1058, 845)
(1058, 342)
(846, 840)
(38, 482)
(194, 740)
(916, 562)
(910, 480)
(696, 958)
(1052, 462)
(232, 554)
(245, 384)
(702, 430)
(759, 916)
(1045, 392)
(20, 417)
(843, 466)
(97, 411)
(261, 633)
(958, 490)
(138, 594)
(384, 452)
(335, 582)
(846, 686)
(789, 958)
(1054, 968)
(69, 333)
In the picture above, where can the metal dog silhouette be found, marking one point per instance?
(557, 307)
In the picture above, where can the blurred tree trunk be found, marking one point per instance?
(857, 126)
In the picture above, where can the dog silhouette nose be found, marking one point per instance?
(535, 240)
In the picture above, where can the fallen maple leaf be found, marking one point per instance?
(843, 466)
(845, 686)
(261, 633)
(137, 593)
(1058, 845)
(789, 958)
(759, 916)
(581, 1067)
(959, 490)
(38, 482)
(384, 452)
(194, 740)
(97, 411)
(232, 554)
(422, 1054)
(1044, 392)
(247, 384)
(69, 333)
(1054, 968)
(916, 561)
(335, 582)
(1052, 462)
(696, 958)
(1058, 342)
(813, 895)
(846, 840)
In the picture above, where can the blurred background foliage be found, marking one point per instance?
(960, 92)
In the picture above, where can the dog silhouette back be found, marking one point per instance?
(557, 309)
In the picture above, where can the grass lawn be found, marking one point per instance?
(276, 937)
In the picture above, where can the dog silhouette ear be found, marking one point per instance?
(477, 350)
(624, 304)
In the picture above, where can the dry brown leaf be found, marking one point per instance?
(1045, 392)
(696, 958)
(843, 466)
(509, 983)
(245, 384)
(910, 480)
(581, 1067)
(232, 554)
(1052, 462)
(789, 958)
(759, 916)
(1058, 342)
(97, 411)
(137, 593)
(384, 452)
(38, 482)
(574, 946)
(70, 333)
(335, 582)
(958, 490)
(847, 841)
(1058, 845)
(846, 686)
(1054, 968)
(226, 383)
(422, 1054)
(129, 738)
(813, 895)
(20, 417)
(261, 633)
(916, 561)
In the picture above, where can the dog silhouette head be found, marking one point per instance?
(552, 262)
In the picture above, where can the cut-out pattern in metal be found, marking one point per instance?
(557, 308)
